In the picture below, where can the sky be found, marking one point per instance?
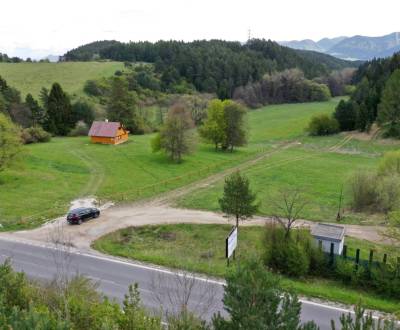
(42, 27)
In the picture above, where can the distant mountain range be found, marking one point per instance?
(351, 48)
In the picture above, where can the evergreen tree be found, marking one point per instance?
(346, 113)
(38, 114)
(59, 112)
(238, 200)
(389, 108)
(10, 142)
(121, 106)
(254, 299)
(44, 97)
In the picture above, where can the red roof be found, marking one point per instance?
(104, 129)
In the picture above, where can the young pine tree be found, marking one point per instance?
(238, 200)
(254, 299)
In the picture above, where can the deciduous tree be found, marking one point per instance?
(176, 137)
(225, 126)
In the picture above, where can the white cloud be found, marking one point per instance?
(60, 25)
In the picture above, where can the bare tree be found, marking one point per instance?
(184, 293)
(288, 208)
(61, 251)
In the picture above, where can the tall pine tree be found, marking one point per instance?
(38, 113)
(59, 112)
(389, 108)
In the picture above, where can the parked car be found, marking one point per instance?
(77, 216)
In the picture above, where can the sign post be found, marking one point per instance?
(231, 244)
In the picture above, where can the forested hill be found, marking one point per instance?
(212, 66)
(371, 79)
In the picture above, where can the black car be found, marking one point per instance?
(77, 216)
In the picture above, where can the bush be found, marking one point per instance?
(373, 193)
(287, 255)
(323, 125)
(363, 191)
(390, 164)
(35, 135)
(388, 192)
(80, 129)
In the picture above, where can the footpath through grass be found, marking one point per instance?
(31, 77)
(201, 248)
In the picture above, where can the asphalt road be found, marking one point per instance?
(158, 287)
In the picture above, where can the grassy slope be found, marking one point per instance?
(310, 165)
(55, 173)
(31, 77)
(201, 248)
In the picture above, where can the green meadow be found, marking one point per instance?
(31, 77)
(50, 175)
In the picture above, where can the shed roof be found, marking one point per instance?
(104, 129)
(330, 232)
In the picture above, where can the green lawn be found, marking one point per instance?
(31, 77)
(52, 174)
(201, 248)
(318, 174)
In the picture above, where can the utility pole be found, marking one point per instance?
(249, 34)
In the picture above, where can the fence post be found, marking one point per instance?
(398, 265)
(371, 257)
(344, 253)
(384, 258)
(332, 253)
(357, 258)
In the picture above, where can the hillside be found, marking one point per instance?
(356, 47)
(31, 77)
(213, 66)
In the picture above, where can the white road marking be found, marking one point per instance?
(165, 271)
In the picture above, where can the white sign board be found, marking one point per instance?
(231, 242)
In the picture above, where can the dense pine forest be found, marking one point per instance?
(375, 99)
(213, 66)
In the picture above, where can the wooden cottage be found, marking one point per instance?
(106, 132)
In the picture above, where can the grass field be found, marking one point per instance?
(31, 77)
(318, 174)
(201, 248)
(51, 175)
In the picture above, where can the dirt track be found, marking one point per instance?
(159, 211)
(118, 217)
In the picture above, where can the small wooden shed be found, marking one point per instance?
(326, 234)
(106, 132)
